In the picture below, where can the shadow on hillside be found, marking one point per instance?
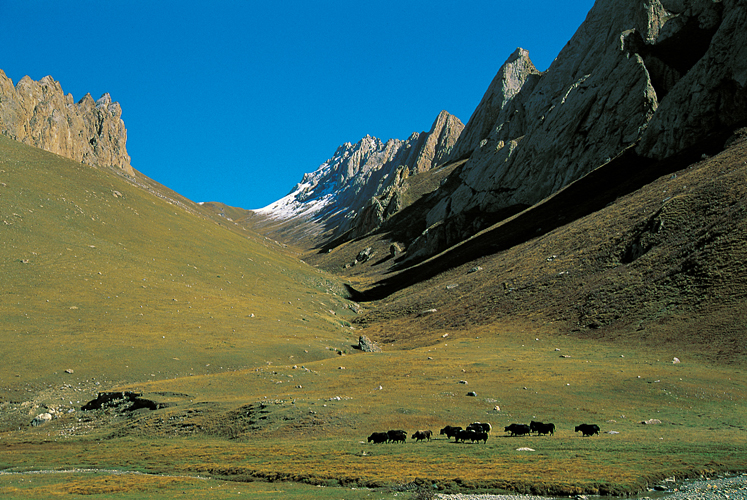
(621, 176)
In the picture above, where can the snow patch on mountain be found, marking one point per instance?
(361, 174)
(336, 183)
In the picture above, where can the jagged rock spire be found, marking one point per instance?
(41, 115)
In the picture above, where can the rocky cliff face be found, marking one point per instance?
(41, 115)
(363, 183)
(657, 75)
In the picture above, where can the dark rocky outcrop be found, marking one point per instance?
(658, 75)
(125, 401)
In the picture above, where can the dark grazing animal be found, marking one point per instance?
(450, 431)
(397, 436)
(588, 429)
(462, 435)
(480, 427)
(478, 436)
(518, 429)
(541, 428)
(420, 435)
(378, 437)
(471, 435)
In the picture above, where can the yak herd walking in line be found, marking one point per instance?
(476, 432)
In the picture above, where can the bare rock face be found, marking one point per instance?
(367, 345)
(516, 75)
(429, 150)
(654, 74)
(383, 205)
(41, 115)
(439, 142)
(364, 183)
(702, 49)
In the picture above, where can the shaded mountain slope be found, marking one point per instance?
(616, 254)
(659, 75)
(642, 91)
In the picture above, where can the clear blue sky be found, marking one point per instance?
(233, 101)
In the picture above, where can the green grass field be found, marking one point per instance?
(107, 286)
(260, 425)
(114, 283)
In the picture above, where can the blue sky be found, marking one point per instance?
(234, 101)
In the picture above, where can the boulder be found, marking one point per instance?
(364, 255)
(367, 345)
(395, 250)
(41, 419)
(651, 421)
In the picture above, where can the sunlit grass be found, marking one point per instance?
(108, 287)
(316, 433)
(114, 283)
(104, 484)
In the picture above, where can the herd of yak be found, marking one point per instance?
(476, 432)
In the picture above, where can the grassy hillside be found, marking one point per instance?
(119, 284)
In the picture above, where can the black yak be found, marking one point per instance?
(420, 435)
(378, 437)
(588, 429)
(397, 436)
(518, 429)
(541, 428)
(450, 431)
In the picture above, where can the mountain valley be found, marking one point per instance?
(574, 254)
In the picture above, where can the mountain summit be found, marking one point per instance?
(40, 114)
(652, 79)
(362, 184)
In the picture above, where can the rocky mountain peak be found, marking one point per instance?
(657, 76)
(362, 184)
(40, 114)
(516, 77)
(439, 142)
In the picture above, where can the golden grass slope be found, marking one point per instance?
(117, 283)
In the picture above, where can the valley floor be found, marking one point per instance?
(309, 424)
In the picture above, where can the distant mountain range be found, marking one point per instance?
(364, 183)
